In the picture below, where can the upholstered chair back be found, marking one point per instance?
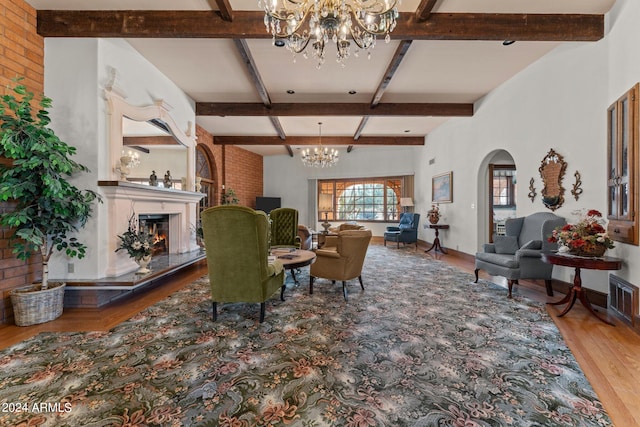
(284, 227)
(236, 242)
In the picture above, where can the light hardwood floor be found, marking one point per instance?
(608, 355)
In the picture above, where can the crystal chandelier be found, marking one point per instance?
(320, 156)
(329, 20)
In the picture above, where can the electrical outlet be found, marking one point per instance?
(71, 267)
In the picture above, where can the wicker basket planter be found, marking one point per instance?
(32, 305)
(594, 251)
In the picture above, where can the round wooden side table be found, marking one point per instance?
(437, 246)
(576, 291)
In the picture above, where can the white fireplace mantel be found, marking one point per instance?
(124, 199)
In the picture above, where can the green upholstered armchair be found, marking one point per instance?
(284, 228)
(237, 244)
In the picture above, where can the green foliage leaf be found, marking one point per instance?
(48, 207)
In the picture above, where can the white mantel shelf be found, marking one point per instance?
(152, 192)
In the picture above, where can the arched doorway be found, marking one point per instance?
(206, 173)
(497, 194)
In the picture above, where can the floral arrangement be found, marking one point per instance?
(136, 243)
(584, 236)
(434, 214)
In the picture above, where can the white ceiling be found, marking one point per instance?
(211, 70)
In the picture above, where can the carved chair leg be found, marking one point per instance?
(510, 283)
(263, 309)
(215, 311)
(476, 273)
(311, 278)
(344, 290)
(549, 286)
(282, 292)
(385, 242)
(361, 284)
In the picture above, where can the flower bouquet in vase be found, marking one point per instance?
(434, 214)
(587, 237)
(137, 244)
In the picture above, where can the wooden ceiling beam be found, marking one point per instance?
(257, 109)
(398, 56)
(313, 140)
(424, 10)
(226, 11)
(249, 24)
(148, 140)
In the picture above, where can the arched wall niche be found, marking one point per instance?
(119, 110)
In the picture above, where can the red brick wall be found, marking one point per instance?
(21, 48)
(21, 55)
(236, 168)
(243, 170)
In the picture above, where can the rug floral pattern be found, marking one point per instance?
(421, 346)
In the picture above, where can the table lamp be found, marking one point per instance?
(325, 204)
(406, 202)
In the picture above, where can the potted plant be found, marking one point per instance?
(138, 244)
(47, 207)
(229, 197)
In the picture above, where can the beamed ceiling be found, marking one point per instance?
(443, 56)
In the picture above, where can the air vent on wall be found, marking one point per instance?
(623, 298)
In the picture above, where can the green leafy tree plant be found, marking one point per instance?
(47, 207)
(229, 197)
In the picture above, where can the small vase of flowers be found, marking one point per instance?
(587, 237)
(137, 244)
(434, 214)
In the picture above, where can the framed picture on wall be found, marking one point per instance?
(442, 188)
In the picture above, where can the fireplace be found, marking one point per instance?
(156, 226)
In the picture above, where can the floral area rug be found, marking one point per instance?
(421, 346)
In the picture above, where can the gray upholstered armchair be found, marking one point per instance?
(517, 254)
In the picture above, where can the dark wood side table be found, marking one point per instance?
(576, 291)
(436, 241)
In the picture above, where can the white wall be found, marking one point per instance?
(76, 72)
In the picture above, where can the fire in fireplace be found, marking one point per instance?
(156, 225)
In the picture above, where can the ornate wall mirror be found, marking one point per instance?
(151, 134)
(158, 152)
(552, 171)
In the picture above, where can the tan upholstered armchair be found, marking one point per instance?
(341, 258)
(284, 228)
(346, 226)
(237, 244)
(306, 237)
